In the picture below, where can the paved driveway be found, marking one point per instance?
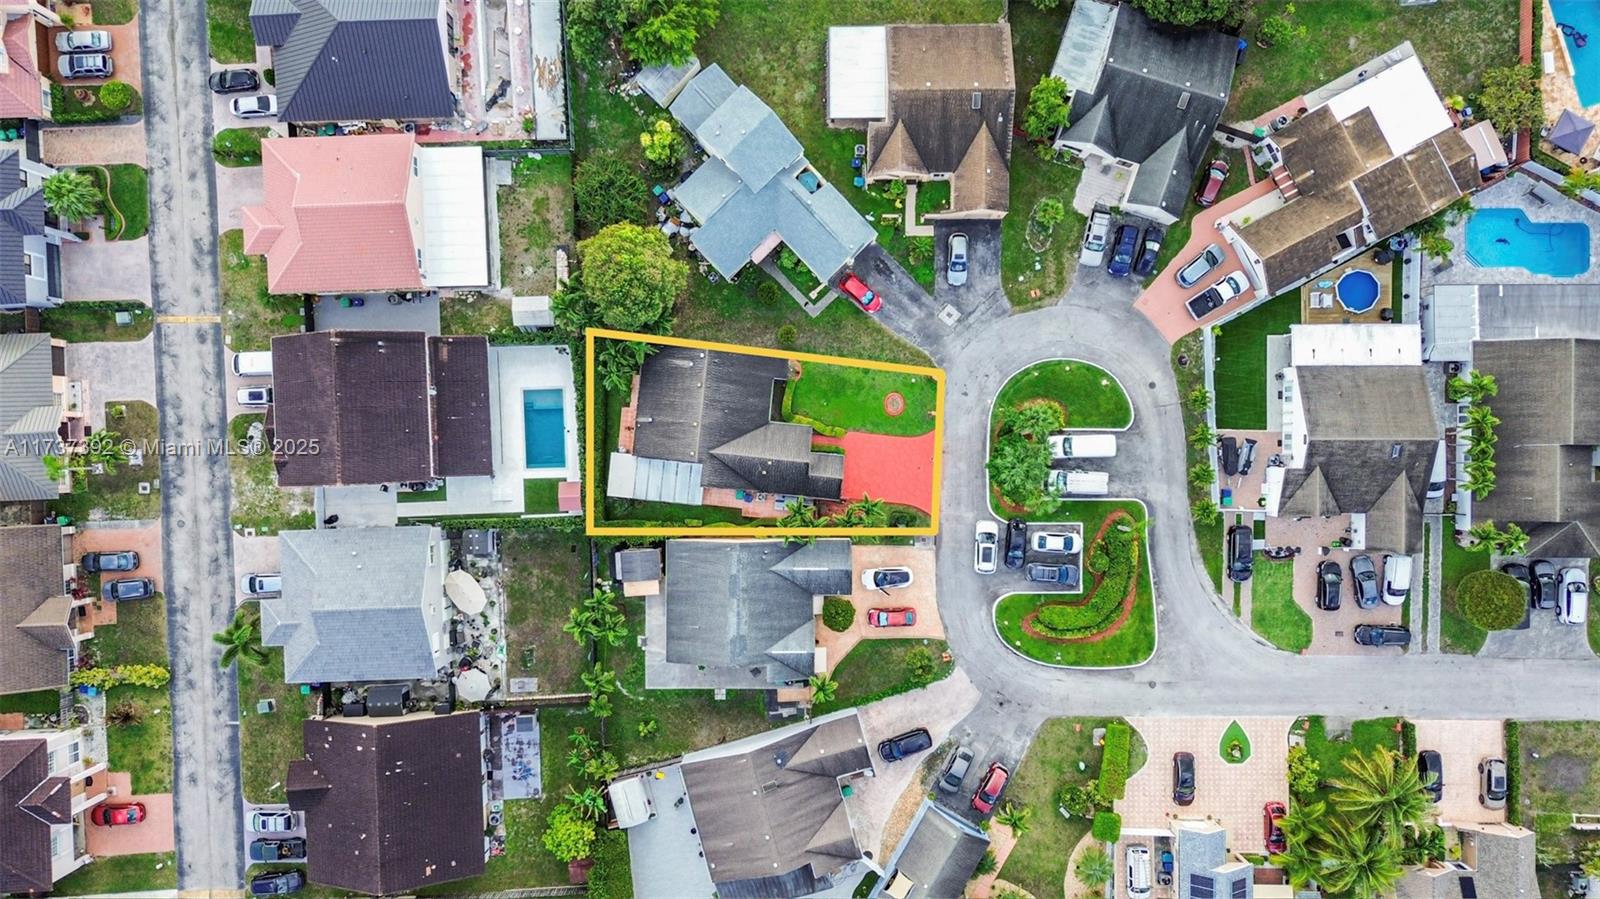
(1461, 745)
(920, 597)
(983, 263)
(236, 189)
(1333, 633)
(124, 54)
(882, 466)
(253, 555)
(154, 834)
(116, 371)
(106, 270)
(143, 537)
(93, 144)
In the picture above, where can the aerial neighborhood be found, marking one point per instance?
(1007, 449)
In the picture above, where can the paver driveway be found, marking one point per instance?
(1461, 745)
(153, 834)
(919, 597)
(896, 469)
(106, 269)
(143, 537)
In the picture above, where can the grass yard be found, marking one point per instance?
(1456, 633)
(90, 321)
(1091, 396)
(1457, 42)
(80, 104)
(1560, 775)
(852, 398)
(535, 218)
(540, 496)
(1330, 752)
(1273, 612)
(121, 874)
(113, 12)
(258, 501)
(39, 702)
(126, 200)
(143, 749)
(238, 148)
(1190, 376)
(269, 741)
(1241, 374)
(228, 25)
(115, 494)
(546, 575)
(878, 669)
(251, 316)
(474, 314)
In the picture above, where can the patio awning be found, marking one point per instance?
(1485, 144)
(1571, 132)
(656, 480)
(472, 685)
(455, 223)
(464, 592)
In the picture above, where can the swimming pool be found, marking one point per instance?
(544, 435)
(1505, 238)
(1584, 17)
(1357, 290)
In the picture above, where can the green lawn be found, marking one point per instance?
(475, 314)
(143, 749)
(251, 316)
(1457, 42)
(1190, 377)
(546, 575)
(238, 148)
(1456, 633)
(1364, 735)
(1560, 775)
(540, 495)
(877, 669)
(1241, 374)
(68, 108)
(1234, 732)
(115, 494)
(228, 24)
(1274, 614)
(39, 702)
(258, 501)
(116, 874)
(535, 217)
(268, 742)
(93, 321)
(127, 201)
(852, 398)
(1091, 396)
(113, 12)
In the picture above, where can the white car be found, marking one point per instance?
(1396, 579)
(1096, 237)
(986, 534)
(1574, 607)
(261, 584)
(272, 822)
(886, 579)
(1056, 542)
(83, 41)
(260, 106)
(255, 396)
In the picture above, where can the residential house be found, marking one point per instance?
(1496, 860)
(1205, 868)
(360, 604)
(756, 189)
(938, 855)
(369, 212)
(393, 805)
(1360, 432)
(30, 241)
(1372, 154)
(377, 407)
(1145, 101)
(937, 102)
(47, 787)
(706, 419)
(24, 80)
(765, 816)
(41, 414)
(41, 622)
(1548, 437)
(346, 60)
(741, 614)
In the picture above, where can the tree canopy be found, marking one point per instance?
(630, 276)
(607, 190)
(1492, 600)
(1049, 106)
(1510, 98)
(1189, 12)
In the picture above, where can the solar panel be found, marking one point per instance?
(1239, 888)
(1202, 887)
(1469, 888)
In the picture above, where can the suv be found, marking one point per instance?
(1330, 583)
(1095, 235)
(255, 397)
(986, 536)
(909, 743)
(271, 822)
(84, 65)
(955, 268)
(1016, 542)
(1126, 245)
(1430, 770)
(261, 584)
(279, 883)
(127, 588)
(122, 560)
(1364, 581)
(990, 788)
(1212, 298)
(1546, 583)
(1183, 778)
(1492, 784)
(1382, 635)
(83, 41)
(955, 771)
(1065, 575)
(1396, 579)
(1215, 175)
(1241, 552)
(1200, 266)
(1574, 608)
(886, 578)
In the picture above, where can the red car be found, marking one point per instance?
(857, 289)
(108, 815)
(891, 617)
(990, 788)
(1271, 830)
(1215, 175)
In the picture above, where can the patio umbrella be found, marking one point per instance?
(472, 685)
(1571, 132)
(464, 592)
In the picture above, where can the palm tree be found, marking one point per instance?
(1475, 386)
(71, 195)
(105, 448)
(1358, 860)
(1015, 817)
(801, 516)
(600, 705)
(823, 688)
(600, 680)
(1480, 477)
(1094, 868)
(590, 802)
(867, 512)
(1380, 793)
(1303, 828)
(241, 641)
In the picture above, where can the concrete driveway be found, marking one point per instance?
(236, 189)
(920, 597)
(251, 836)
(92, 144)
(153, 834)
(124, 54)
(1332, 633)
(253, 555)
(142, 537)
(99, 269)
(112, 372)
(1545, 637)
(1461, 746)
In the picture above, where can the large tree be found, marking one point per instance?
(1049, 106)
(1019, 467)
(631, 278)
(667, 31)
(1380, 792)
(71, 195)
(1189, 12)
(1358, 860)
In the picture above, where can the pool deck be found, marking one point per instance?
(1337, 314)
(1512, 194)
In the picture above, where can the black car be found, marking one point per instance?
(1430, 768)
(277, 884)
(234, 81)
(1149, 249)
(127, 588)
(1382, 635)
(1546, 583)
(1241, 552)
(909, 743)
(955, 771)
(1127, 243)
(1364, 581)
(1182, 778)
(291, 850)
(1330, 583)
(109, 561)
(1016, 542)
(1525, 578)
(1065, 575)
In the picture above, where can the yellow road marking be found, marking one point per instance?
(188, 319)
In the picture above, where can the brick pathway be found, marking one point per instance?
(94, 143)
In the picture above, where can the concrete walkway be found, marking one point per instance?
(1436, 529)
(100, 269)
(94, 143)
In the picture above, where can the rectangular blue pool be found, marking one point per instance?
(1505, 238)
(544, 433)
(1581, 17)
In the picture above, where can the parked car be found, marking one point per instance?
(278, 883)
(986, 539)
(1200, 266)
(1056, 542)
(117, 814)
(261, 584)
(1330, 584)
(990, 788)
(256, 364)
(1382, 635)
(1123, 250)
(1215, 175)
(257, 106)
(907, 744)
(886, 578)
(1149, 250)
(955, 770)
(1492, 783)
(278, 850)
(857, 289)
(891, 617)
(128, 588)
(84, 65)
(1138, 871)
(1574, 608)
(1430, 768)
(255, 396)
(1096, 234)
(1364, 581)
(271, 822)
(1183, 778)
(1272, 827)
(83, 41)
(1016, 542)
(234, 81)
(1065, 575)
(1212, 298)
(955, 267)
(1396, 579)
(1546, 582)
(119, 560)
(1523, 576)
(1241, 552)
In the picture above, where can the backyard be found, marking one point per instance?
(535, 218)
(1560, 776)
(1241, 370)
(1456, 633)
(470, 313)
(546, 575)
(91, 321)
(126, 200)
(1273, 612)
(878, 669)
(116, 494)
(251, 316)
(120, 874)
(269, 740)
(859, 399)
(258, 502)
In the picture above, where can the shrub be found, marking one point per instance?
(569, 835)
(1050, 212)
(1049, 107)
(103, 679)
(986, 865)
(838, 614)
(1514, 771)
(819, 427)
(1491, 600)
(1107, 827)
(1305, 772)
(786, 334)
(115, 95)
(1114, 761)
(1115, 558)
(611, 876)
(1408, 738)
(1080, 799)
(920, 664)
(607, 190)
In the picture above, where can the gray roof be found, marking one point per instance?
(1571, 131)
(356, 59)
(1501, 858)
(21, 215)
(772, 818)
(1202, 859)
(663, 82)
(938, 854)
(641, 563)
(34, 652)
(358, 604)
(29, 416)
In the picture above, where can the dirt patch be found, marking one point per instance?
(1565, 773)
(535, 219)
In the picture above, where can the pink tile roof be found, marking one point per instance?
(335, 216)
(19, 83)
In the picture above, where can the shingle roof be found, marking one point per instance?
(463, 444)
(35, 656)
(939, 853)
(29, 416)
(356, 59)
(392, 805)
(21, 90)
(25, 851)
(1502, 862)
(21, 216)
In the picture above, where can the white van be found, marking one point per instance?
(253, 365)
(1436, 477)
(1079, 483)
(1083, 446)
(1138, 871)
(1396, 579)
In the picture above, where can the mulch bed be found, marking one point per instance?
(893, 404)
(1127, 601)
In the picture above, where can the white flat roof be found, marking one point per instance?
(1378, 344)
(858, 72)
(455, 228)
(1402, 100)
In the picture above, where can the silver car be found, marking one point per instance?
(955, 272)
(83, 41)
(1200, 266)
(84, 65)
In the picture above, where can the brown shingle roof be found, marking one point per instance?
(1291, 245)
(898, 157)
(1320, 153)
(983, 182)
(25, 847)
(32, 657)
(463, 444)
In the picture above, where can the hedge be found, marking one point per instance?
(1491, 600)
(1514, 772)
(819, 427)
(1114, 760)
(1107, 827)
(1408, 739)
(838, 614)
(1117, 554)
(152, 676)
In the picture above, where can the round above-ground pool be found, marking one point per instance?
(1357, 290)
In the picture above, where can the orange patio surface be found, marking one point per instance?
(893, 469)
